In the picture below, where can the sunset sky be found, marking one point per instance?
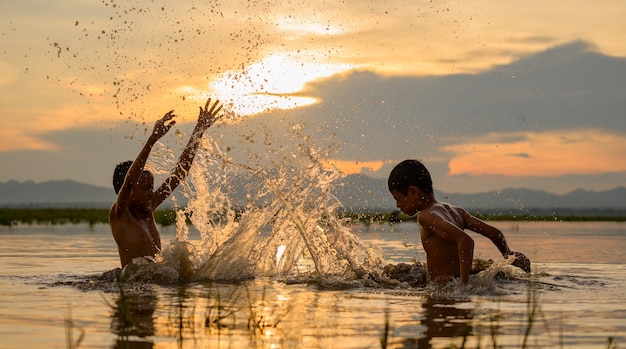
(489, 94)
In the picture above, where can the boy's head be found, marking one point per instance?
(410, 173)
(119, 174)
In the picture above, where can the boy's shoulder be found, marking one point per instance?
(445, 211)
(443, 208)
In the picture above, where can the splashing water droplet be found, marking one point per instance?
(286, 227)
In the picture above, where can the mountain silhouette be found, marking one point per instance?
(63, 193)
(356, 193)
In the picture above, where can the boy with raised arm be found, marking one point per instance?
(449, 249)
(132, 215)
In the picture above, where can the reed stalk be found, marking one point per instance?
(69, 331)
(384, 340)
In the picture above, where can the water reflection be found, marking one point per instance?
(589, 306)
(265, 313)
(444, 320)
(132, 319)
(245, 314)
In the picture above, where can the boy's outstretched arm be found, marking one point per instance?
(206, 118)
(497, 237)
(161, 127)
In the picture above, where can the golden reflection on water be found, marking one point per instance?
(132, 319)
(36, 290)
(267, 314)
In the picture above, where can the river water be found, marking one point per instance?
(574, 297)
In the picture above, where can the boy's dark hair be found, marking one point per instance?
(120, 174)
(408, 173)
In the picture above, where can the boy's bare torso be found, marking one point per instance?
(136, 234)
(442, 256)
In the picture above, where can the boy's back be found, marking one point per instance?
(135, 233)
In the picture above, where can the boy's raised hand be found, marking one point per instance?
(208, 116)
(162, 126)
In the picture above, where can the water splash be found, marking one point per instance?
(275, 216)
(287, 225)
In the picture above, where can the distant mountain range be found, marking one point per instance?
(65, 193)
(356, 192)
(359, 192)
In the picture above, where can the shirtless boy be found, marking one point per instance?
(449, 249)
(132, 215)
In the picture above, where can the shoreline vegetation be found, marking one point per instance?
(57, 216)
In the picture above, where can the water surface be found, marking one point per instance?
(576, 293)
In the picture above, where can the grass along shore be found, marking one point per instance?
(56, 216)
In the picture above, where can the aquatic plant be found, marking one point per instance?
(218, 311)
(263, 315)
(533, 310)
(69, 331)
(384, 339)
(494, 328)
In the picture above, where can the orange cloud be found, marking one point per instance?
(540, 154)
(11, 140)
(355, 167)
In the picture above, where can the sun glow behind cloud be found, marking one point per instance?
(274, 83)
(540, 154)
